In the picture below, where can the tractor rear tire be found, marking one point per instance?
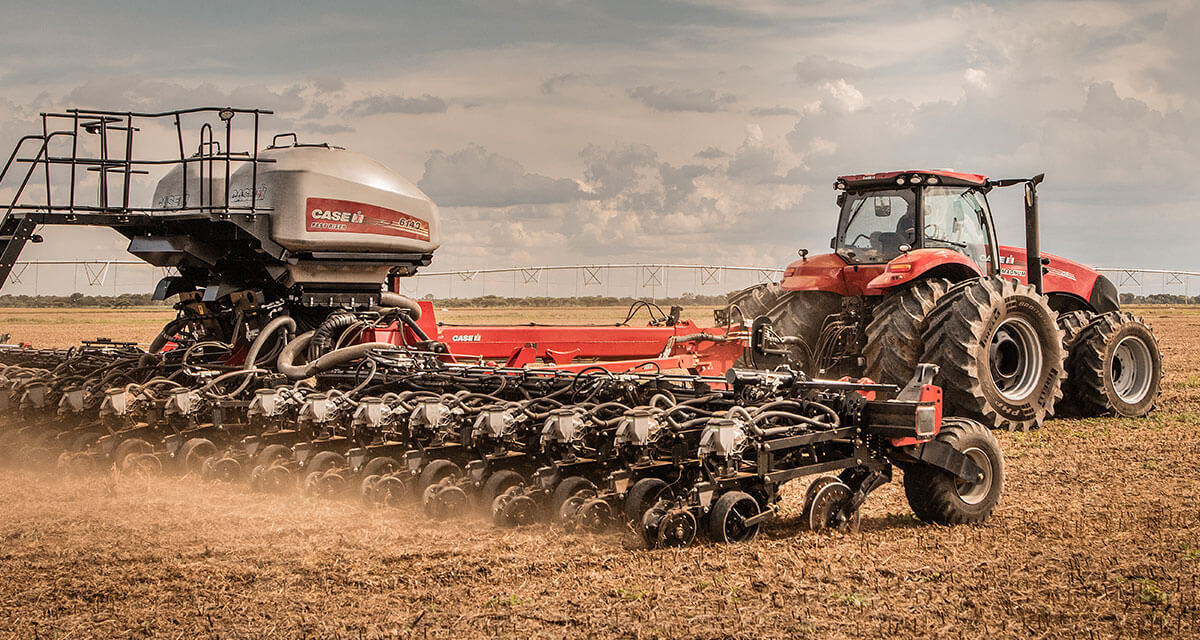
(1000, 353)
(742, 307)
(1115, 367)
(937, 497)
(799, 314)
(893, 346)
(1072, 323)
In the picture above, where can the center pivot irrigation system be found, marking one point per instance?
(295, 363)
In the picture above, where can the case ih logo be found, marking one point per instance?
(344, 216)
(466, 337)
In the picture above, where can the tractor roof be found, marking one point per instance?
(890, 178)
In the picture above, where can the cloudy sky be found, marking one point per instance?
(559, 131)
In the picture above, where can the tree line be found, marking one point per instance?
(78, 300)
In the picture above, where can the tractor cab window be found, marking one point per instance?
(874, 225)
(956, 218)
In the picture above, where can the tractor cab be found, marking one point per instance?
(886, 215)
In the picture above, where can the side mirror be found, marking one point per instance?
(833, 242)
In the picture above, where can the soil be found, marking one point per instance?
(1098, 535)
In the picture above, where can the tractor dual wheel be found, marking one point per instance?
(893, 347)
(1000, 353)
(1072, 324)
(1115, 367)
(938, 497)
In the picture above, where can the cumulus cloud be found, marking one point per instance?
(476, 177)
(123, 93)
(712, 153)
(1105, 100)
(555, 82)
(380, 104)
(816, 69)
(676, 99)
(777, 110)
(328, 84)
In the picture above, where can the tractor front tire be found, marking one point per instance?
(1115, 367)
(893, 346)
(1000, 353)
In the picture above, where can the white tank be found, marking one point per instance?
(171, 195)
(327, 199)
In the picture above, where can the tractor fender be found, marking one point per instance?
(921, 263)
(816, 273)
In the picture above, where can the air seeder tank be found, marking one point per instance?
(323, 219)
(326, 199)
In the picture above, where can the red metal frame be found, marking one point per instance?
(615, 348)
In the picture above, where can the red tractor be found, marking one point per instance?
(916, 275)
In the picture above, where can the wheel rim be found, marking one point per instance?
(677, 528)
(976, 492)
(1016, 358)
(1132, 369)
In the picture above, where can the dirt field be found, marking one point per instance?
(66, 327)
(1098, 535)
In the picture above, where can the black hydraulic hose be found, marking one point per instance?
(328, 361)
(255, 347)
(391, 299)
(766, 415)
(264, 335)
(412, 326)
(325, 334)
(288, 355)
